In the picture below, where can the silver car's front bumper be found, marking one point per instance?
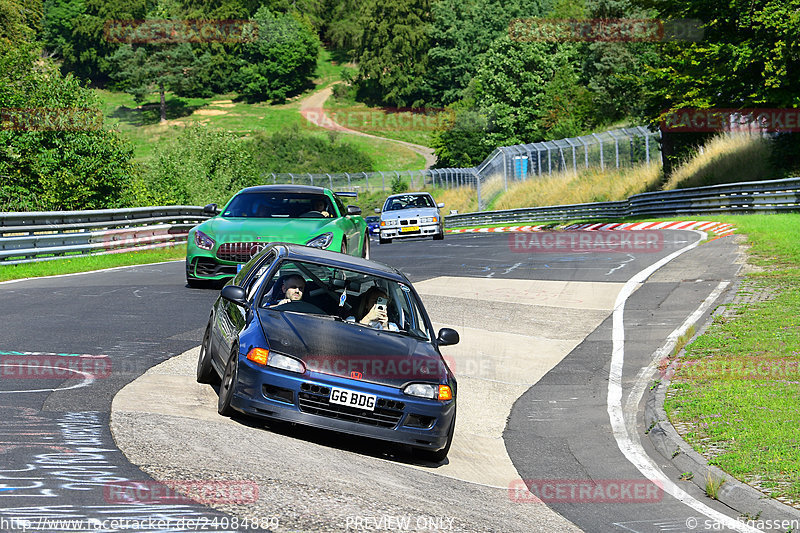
(420, 230)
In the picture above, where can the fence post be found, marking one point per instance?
(366, 178)
(505, 169)
(349, 186)
(291, 176)
(600, 143)
(312, 178)
(478, 187)
(383, 180)
(274, 178)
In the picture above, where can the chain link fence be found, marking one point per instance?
(504, 166)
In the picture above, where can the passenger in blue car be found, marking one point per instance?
(373, 309)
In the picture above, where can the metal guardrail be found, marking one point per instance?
(41, 236)
(746, 197)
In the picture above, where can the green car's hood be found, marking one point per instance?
(293, 230)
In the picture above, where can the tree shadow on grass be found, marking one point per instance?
(150, 112)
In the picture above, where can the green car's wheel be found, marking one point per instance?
(344, 247)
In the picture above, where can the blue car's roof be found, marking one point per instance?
(336, 259)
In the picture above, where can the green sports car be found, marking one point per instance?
(258, 216)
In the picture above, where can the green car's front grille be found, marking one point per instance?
(239, 252)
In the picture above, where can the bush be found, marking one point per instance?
(296, 151)
(202, 165)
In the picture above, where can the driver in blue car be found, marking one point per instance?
(292, 288)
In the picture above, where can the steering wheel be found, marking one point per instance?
(300, 306)
(312, 214)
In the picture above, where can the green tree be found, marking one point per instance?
(75, 32)
(281, 60)
(19, 20)
(748, 57)
(157, 69)
(460, 34)
(393, 52)
(54, 152)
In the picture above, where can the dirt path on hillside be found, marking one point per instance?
(313, 110)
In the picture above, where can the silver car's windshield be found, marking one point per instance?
(409, 201)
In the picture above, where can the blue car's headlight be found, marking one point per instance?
(203, 241)
(427, 390)
(283, 362)
(321, 242)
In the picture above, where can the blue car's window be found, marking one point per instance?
(279, 205)
(408, 201)
(347, 295)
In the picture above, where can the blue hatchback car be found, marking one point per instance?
(331, 341)
(373, 224)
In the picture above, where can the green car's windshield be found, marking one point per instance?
(279, 205)
(346, 295)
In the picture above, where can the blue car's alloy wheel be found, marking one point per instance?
(205, 372)
(228, 386)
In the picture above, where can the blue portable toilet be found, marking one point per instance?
(520, 167)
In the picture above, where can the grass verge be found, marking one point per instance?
(737, 391)
(71, 265)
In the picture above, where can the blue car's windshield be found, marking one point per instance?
(299, 286)
(279, 205)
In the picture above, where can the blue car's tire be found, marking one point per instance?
(439, 455)
(228, 385)
(205, 371)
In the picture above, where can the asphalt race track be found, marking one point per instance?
(97, 392)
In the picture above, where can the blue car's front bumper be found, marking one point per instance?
(303, 398)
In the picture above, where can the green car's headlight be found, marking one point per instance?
(321, 242)
(203, 241)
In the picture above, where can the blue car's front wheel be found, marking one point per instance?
(228, 385)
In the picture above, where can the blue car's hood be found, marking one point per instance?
(338, 348)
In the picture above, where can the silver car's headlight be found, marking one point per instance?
(428, 220)
(321, 242)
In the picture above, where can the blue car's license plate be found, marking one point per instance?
(353, 399)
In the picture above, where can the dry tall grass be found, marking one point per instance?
(462, 199)
(591, 185)
(725, 159)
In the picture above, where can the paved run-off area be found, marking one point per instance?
(512, 333)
